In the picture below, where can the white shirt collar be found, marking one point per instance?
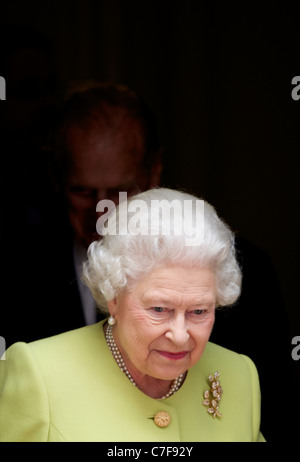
(87, 300)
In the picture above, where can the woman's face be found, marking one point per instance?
(164, 323)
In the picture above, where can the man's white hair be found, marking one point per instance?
(118, 261)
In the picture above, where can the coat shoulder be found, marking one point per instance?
(236, 369)
(230, 356)
(71, 341)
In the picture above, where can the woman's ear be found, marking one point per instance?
(112, 307)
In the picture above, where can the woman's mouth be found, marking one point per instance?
(174, 356)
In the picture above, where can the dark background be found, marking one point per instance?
(218, 79)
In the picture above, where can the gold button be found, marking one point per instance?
(162, 419)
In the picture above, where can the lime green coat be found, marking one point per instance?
(69, 388)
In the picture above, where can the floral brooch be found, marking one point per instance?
(212, 397)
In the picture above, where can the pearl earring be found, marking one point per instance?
(111, 321)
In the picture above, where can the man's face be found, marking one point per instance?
(103, 163)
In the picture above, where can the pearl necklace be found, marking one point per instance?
(176, 384)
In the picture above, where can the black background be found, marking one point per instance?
(218, 78)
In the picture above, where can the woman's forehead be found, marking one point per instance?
(175, 282)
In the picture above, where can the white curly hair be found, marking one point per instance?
(119, 260)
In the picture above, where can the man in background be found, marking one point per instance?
(104, 141)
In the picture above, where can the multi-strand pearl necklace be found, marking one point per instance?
(120, 361)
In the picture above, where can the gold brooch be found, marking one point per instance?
(212, 397)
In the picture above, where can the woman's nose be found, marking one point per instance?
(178, 331)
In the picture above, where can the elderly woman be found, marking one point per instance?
(148, 372)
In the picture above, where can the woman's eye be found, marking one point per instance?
(158, 309)
(198, 312)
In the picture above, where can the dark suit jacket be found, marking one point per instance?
(43, 294)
